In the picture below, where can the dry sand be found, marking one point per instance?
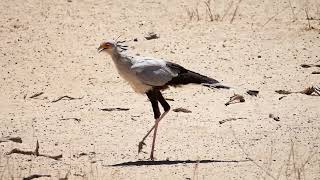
(50, 47)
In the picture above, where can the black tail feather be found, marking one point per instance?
(186, 76)
(191, 78)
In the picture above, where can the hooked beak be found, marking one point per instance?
(100, 48)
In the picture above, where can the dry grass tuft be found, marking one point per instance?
(193, 13)
(295, 166)
(209, 11)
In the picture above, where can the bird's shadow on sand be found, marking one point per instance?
(173, 162)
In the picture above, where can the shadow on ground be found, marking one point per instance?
(169, 162)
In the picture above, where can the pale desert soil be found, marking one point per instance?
(50, 47)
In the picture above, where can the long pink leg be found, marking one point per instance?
(155, 134)
(141, 143)
(154, 139)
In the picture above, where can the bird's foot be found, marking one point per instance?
(151, 157)
(140, 146)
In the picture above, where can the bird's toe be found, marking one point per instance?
(140, 146)
(151, 158)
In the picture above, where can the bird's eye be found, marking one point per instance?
(108, 44)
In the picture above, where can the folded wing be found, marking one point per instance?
(153, 72)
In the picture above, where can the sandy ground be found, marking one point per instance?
(50, 47)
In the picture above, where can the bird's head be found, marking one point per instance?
(107, 46)
(111, 46)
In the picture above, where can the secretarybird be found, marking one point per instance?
(150, 76)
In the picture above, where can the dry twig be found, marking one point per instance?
(34, 176)
(272, 17)
(152, 35)
(180, 109)
(309, 65)
(283, 92)
(307, 91)
(208, 6)
(36, 95)
(308, 19)
(65, 98)
(14, 139)
(282, 97)
(230, 119)
(253, 92)
(236, 98)
(276, 118)
(35, 153)
(76, 119)
(235, 12)
(114, 109)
